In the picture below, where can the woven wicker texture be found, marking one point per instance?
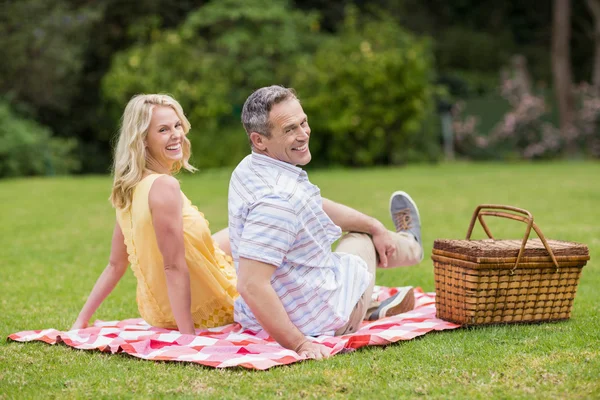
(479, 282)
(487, 296)
(489, 248)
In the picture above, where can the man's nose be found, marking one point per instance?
(305, 132)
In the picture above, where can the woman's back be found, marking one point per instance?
(212, 276)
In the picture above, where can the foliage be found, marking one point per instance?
(522, 132)
(27, 148)
(43, 56)
(508, 25)
(211, 63)
(587, 119)
(225, 50)
(54, 250)
(527, 130)
(472, 58)
(367, 92)
(57, 53)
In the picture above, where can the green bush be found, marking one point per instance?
(367, 90)
(368, 95)
(27, 148)
(218, 56)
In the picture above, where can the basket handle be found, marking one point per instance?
(528, 219)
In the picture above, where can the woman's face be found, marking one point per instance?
(165, 137)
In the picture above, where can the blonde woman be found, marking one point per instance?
(184, 279)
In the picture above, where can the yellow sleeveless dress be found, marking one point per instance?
(212, 275)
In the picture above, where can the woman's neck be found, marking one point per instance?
(154, 167)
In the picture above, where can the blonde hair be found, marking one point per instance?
(130, 151)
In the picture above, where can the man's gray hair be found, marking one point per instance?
(255, 113)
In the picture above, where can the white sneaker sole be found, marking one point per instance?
(400, 299)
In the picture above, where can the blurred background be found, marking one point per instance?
(384, 82)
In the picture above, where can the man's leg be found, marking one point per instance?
(408, 250)
(222, 240)
(359, 244)
(405, 215)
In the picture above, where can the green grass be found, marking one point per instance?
(55, 242)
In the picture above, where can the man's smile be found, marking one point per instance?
(301, 149)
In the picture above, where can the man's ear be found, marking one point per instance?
(258, 141)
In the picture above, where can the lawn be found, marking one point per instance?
(55, 242)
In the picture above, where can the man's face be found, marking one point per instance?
(290, 133)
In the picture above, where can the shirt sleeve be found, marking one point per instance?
(269, 231)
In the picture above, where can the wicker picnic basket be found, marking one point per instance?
(479, 282)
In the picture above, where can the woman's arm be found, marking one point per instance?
(165, 205)
(107, 281)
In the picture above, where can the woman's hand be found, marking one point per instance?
(79, 325)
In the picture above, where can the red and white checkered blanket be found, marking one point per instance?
(230, 345)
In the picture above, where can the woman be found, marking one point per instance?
(184, 279)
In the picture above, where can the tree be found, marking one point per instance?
(594, 6)
(561, 70)
(43, 45)
(55, 53)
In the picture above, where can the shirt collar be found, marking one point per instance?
(287, 169)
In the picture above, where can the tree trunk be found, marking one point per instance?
(561, 69)
(594, 6)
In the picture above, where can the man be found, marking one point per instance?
(281, 230)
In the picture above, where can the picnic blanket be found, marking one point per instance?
(230, 345)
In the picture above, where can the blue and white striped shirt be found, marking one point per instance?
(276, 216)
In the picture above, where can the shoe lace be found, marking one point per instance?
(402, 220)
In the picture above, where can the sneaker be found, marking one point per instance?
(401, 302)
(405, 215)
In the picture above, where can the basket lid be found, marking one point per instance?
(506, 251)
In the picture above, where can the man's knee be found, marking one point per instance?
(359, 244)
(408, 251)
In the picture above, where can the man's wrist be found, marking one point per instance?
(376, 227)
(300, 344)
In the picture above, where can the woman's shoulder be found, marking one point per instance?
(157, 183)
(164, 190)
(165, 182)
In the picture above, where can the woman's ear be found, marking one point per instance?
(258, 141)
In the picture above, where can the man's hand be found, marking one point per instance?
(384, 244)
(313, 350)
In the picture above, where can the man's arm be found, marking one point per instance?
(254, 285)
(351, 220)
